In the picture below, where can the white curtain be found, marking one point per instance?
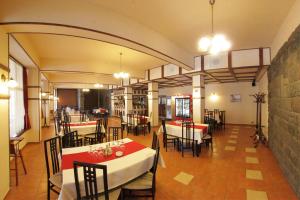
(16, 101)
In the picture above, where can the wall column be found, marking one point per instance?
(198, 98)
(128, 101)
(34, 105)
(153, 103)
(4, 121)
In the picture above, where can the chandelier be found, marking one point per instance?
(214, 43)
(121, 74)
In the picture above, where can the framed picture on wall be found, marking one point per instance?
(235, 97)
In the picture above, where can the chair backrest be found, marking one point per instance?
(90, 180)
(52, 146)
(57, 125)
(154, 167)
(130, 119)
(70, 139)
(188, 130)
(99, 124)
(154, 140)
(66, 127)
(115, 131)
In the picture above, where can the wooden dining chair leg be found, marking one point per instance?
(21, 156)
(16, 168)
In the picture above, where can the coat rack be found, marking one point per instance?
(258, 136)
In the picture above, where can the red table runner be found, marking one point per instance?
(68, 159)
(83, 124)
(203, 128)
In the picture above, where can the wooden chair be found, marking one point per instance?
(116, 132)
(123, 124)
(57, 125)
(97, 136)
(90, 182)
(187, 140)
(66, 127)
(154, 140)
(131, 127)
(207, 138)
(143, 184)
(15, 152)
(168, 139)
(54, 176)
(142, 126)
(71, 139)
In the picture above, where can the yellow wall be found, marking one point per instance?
(291, 21)
(4, 122)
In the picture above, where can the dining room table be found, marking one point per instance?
(75, 117)
(135, 160)
(85, 128)
(174, 128)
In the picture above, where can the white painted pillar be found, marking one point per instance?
(153, 103)
(128, 101)
(34, 105)
(198, 98)
(45, 103)
(112, 104)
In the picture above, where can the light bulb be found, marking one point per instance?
(97, 85)
(204, 43)
(12, 83)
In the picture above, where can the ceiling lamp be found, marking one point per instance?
(121, 74)
(97, 85)
(215, 43)
(85, 90)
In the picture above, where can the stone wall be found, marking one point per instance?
(284, 109)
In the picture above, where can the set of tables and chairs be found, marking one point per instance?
(215, 118)
(137, 124)
(186, 135)
(110, 170)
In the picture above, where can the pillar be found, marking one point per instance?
(4, 121)
(34, 105)
(198, 98)
(112, 103)
(128, 101)
(153, 103)
(45, 103)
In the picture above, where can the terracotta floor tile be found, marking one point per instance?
(251, 160)
(256, 195)
(254, 174)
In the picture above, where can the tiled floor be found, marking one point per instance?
(217, 174)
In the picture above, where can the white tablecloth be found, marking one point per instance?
(119, 171)
(75, 118)
(176, 131)
(86, 129)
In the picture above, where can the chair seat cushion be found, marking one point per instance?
(142, 182)
(113, 195)
(56, 179)
(206, 137)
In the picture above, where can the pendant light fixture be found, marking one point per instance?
(121, 74)
(215, 43)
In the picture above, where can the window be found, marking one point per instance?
(16, 102)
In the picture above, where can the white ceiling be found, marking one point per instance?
(248, 23)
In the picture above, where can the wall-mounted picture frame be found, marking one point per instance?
(235, 97)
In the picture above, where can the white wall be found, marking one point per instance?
(176, 91)
(236, 113)
(242, 112)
